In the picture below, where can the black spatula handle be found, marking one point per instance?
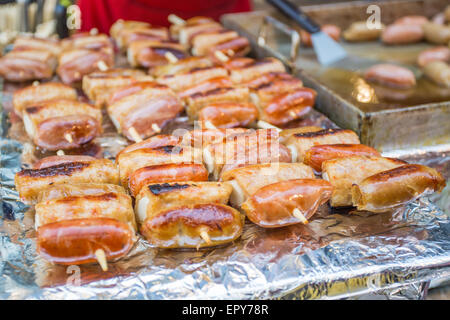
(292, 11)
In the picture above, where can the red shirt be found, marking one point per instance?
(101, 14)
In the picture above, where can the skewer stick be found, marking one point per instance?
(102, 65)
(265, 125)
(170, 57)
(174, 19)
(93, 32)
(60, 153)
(156, 128)
(68, 137)
(221, 56)
(133, 133)
(296, 213)
(36, 83)
(204, 235)
(209, 125)
(101, 258)
(292, 114)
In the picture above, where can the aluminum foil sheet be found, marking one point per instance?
(339, 254)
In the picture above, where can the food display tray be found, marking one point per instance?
(339, 254)
(387, 119)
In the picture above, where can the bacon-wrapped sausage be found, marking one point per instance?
(229, 114)
(395, 187)
(189, 226)
(65, 190)
(26, 65)
(36, 43)
(62, 124)
(315, 156)
(30, 182)
(150, 53)
(299, 143)
(160, 140)
(147, 110)
(187, 32)
(102, 205)
(181, 66)
(184, 80)
(155, 198)
(131, 161)
(75, 63)
(287, 202)
(343, 172)
(128, 36)
(236, 47)
(99, 85)
(401, 33)
(253, 69)
(253, 147)
(197, 101)
(87, 41)
(170, 172)
(247, 180)
(122, 25)
(201, 43)
(208, 85)
(36, 94)
(201, 138)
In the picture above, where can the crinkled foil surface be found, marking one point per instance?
(339, 254)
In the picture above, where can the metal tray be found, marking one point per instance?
(386, 119)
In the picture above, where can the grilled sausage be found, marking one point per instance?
(247, 180)
(171, 172)
(440, 53)
(76, 241)
(402, 33)
(315, 156)
(184, 80)
(30, 182)
(203, 41)
(391, 75)
(157, 141)
(181, 66)
(273, 206)
(155, 198)
(151, 53)
(389, 189)
(206, 86)
(343, 172)
(300, 143)
(183, 227)
(254, 68)
(289, 106)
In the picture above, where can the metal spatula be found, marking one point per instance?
(327, 50)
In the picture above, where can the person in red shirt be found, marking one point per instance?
(101, 14)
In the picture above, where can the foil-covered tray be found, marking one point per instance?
(339, 254)
(383, 117)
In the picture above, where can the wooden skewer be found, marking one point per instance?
(173, 18)
(36, 83)
(68, 137)
(265, 125)
(101, 258)
(209, 125)
(170, 57)
(221, 56)
(204, 235)
(156, 128)
(296, 213)
(134, 134)
(292, 114)
(93, 32)
(60, 153)
(102, 65)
